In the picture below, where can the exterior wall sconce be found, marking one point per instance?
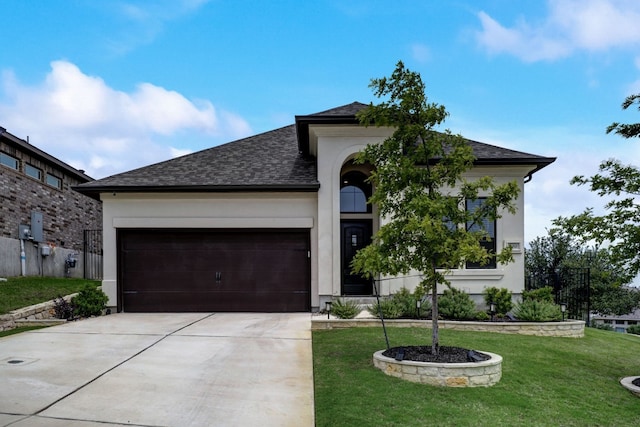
(563, 309)
(327, 307)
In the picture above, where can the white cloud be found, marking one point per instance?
(571, 25)
(86, 123)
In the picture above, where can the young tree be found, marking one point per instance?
(620, 227)
(420, 191)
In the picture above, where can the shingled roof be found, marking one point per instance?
(276, 160)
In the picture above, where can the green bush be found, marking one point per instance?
(482, 316)
(541, 294)
(406, 301)
(633, 329)
(532, 310)
(345, 308)
(456, 305)
(402, 304)
(501, 298)
(89, 302)
(390, 309)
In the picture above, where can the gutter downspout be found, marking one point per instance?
(23, 259)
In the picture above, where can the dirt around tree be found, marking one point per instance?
(446, 355)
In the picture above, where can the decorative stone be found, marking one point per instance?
(627, 383)
(566, 329)
(472, 374)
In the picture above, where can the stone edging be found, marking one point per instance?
(471, 374)
(569, 328)
(39, 314)
(627, 383)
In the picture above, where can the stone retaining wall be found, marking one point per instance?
(478, 374)
(41, 314)
(568, 328)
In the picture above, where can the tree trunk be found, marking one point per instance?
(435, 335)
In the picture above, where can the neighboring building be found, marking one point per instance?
(271, 222)
(618, 323)
(38, 206)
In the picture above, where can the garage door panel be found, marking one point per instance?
(214, 270)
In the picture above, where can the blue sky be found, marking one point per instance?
(108, 86)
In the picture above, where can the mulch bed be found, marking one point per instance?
(446, 354)
(636, 382)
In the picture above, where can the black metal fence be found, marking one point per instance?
(93, 254)
(571, 286)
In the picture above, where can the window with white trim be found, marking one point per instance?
(488, 225)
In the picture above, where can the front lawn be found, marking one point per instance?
(18, 292)
(545, 381)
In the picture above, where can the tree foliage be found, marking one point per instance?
(619, 227)
(420, 191)
(631, 130)
(559, 250)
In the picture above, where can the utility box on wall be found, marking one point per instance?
(36, 226)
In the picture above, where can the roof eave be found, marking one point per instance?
(303, 122)
(47, 158)
(538, 162)
(94, 192)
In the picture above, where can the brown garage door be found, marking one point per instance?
(205, 270)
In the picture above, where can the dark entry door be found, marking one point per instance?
(214, 270)
(356, 234)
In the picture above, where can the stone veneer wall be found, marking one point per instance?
(478, 374)
(569, 328)
(41, 314)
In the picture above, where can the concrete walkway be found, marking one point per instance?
(185, 369)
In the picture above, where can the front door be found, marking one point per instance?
(356, 234)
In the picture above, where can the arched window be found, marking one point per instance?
(354, 193)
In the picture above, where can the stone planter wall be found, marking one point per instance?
(41, 314)
(627, 383)
(568, 328)
(478, 374)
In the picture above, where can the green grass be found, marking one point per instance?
(545, 381)
(18, 292)
(19, 330)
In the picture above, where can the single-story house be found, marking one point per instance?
(271, 222)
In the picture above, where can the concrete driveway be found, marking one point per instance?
(184, 369)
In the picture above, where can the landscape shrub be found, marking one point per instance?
(532, 310)
(633, 329)
(90, 301)
(390, 309)
(345, 308)
(456, 305)
(482, 316)
(402, 304)
(501, 298)
(63, 309)
(406, 301)
(541, 294)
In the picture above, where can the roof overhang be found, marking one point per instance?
(94, 193)
(44, 157)
(303, 123)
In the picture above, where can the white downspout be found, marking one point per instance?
(23, 259)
